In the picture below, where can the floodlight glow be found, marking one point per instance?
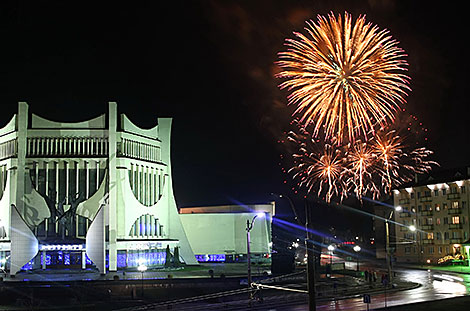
(357, 248)
(142, 268)
(260, 215)
(412, 228)
(398, 208)
(331, 248)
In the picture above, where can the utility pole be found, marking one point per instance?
(312, 305)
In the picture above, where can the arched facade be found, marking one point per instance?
(94, 192)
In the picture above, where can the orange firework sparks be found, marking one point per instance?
(372, 167)
(322, 168)
(344, 77)
(361, 165)
(388, 151)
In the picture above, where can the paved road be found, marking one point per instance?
(434, 285)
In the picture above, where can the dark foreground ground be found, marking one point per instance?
(459, 303)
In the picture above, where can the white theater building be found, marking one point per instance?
(96, 194)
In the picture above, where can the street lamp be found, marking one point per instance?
(357, 249)
(249, 226)
(388, 254)
(331, 248)
(142, 268)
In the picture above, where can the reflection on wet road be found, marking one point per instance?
(434, 285)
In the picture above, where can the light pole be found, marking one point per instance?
(357, 249)
(142, 268)
(387, 242)
(331, 248)
(249, 226)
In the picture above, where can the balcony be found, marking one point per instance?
(428, 241)
(454, 211)
(427, 227)
(404, 201)
(426, 213)
(455, 226)
(425, 199)
(405, 214)
(455, 240)
(453, 196)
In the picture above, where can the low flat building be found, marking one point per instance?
(218, 233)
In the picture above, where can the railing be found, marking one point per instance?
(426, 213)
(405, 214)
(455, 240)
(425, 199)
(404, 201)
(66, 146)
(454, 211)
(453, 196)
(455, 226)
(8, 149)
(137, 150)
(427, 227)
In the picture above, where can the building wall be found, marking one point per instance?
(225, 233)
(440, 213)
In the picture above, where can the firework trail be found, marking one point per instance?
(344, 77)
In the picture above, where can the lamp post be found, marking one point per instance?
(387, 242)
(249, 226)
(357, 249)
(142, 268)
(331, 248)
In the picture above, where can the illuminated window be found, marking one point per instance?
(430, 236)
(444, 205)
(455, 204)
(437, 207)
(455, 219)
(438, 221)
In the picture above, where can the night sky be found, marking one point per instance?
(210, 66)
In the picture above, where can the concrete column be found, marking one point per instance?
(66, 168)
(113, 180)
(43, 263)
(83, 260)
(87, 179)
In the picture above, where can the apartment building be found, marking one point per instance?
(437, 206)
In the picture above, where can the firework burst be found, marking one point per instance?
(360, 168)
(344, 77)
